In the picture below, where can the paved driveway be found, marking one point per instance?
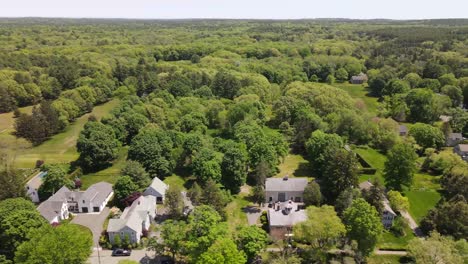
(104, 257)
(93, 221)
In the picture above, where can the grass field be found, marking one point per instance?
(421, 201)
(375, 159)
(392, 242)
(110, 174)
(61, 148)
(234, 211)
(358, 91)
(295, 166)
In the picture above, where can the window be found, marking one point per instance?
(83, 201)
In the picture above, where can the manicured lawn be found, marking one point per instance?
(389, 241)
(383, 259)
(175, 180)
(421, 201)
(110, 174)
(235, 215)
(359, 91)
(61, 148)
(375, 159)
(295, 166)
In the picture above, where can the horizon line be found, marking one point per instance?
(227, 18)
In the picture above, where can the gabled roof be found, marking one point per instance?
(387, 207)
(463, 147)
(97, 193)
(365, 185)
(455, 136)
(159, 185)
(50, 209)
(286, 184)
(134, 215)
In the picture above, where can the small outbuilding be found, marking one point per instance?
(359, 79)
(157, 189)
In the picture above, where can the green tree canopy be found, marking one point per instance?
(400, 167)
(363, 224)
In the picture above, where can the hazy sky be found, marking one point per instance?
(395, 9)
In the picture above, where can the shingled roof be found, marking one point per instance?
(286, 184)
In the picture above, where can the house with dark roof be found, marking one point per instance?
(388, 214)
(284, 189)
(453, 139)
(157, 189)
(282, 217)
(359, 79)
(134, 221)
(65, 201)
(462, 151)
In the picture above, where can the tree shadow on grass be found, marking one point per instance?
(303, 170)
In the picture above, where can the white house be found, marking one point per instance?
(134, 221)
(65, 201)
(284, 189)
(32, 186)
(55, 209)
(157, 189)
(388, 214)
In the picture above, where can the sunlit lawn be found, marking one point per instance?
(383, 259)
(375, 159)
(110, 174)
(234, 211)
(392, 242)
(421, 202)
(61, 148)
(359, 91)
(295, 166)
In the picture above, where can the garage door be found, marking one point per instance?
(84, 209)
(281, 197)
(96, 209)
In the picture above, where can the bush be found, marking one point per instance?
(399, 226)
(264, 221)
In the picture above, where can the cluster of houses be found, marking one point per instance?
(63, 202)
(285, 195)
(132, 223)
(136, 219)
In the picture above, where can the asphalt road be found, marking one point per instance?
(104, 257)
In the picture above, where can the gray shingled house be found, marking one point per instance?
(462, 151)
(284, 189)
(157, 189)
(134, 221)
(359, 79)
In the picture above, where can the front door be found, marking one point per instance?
(96, 209)
(84, 209)
(282, 197)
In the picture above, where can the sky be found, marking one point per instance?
(257, 9)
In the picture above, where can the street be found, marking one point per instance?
(142, 256)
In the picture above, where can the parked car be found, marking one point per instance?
(118, 252)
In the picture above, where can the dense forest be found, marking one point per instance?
(222, 104)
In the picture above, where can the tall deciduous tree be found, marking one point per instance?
(340, 173)
(312, 194)
(174, 234)
(363, 224)
(174, 201)
(318, 146)
(97, 146)
(234, 167)
(222, 251)
(135, 170)
(66, 243)
(252, 240)
(123, 188)
(397, 201)
(427, 136)
(438, 249)
(400, 167)
(322, 229)
(55, 179)
(12, 183)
